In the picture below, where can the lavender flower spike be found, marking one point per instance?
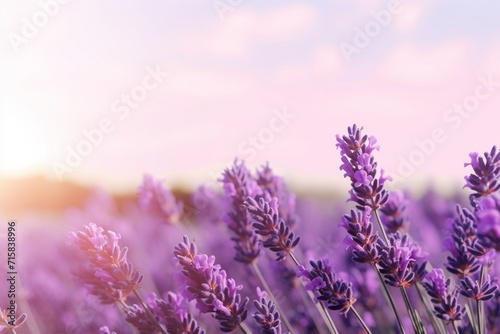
(173, 313)
(446, 305)
(238, 185)
(209, 285)
(485, 179)
(155, 198)
(361, 237)
(327, 287)
(7, 324)
(398, 261)
(277, 236)
(109, 259)
(360, 167)
(267, 316)
(471, 289)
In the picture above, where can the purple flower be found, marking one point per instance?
(277, 236)
(361, 237)
(105, 330)
(275, 186)
(394, 215)
(488, 221)
(472, 289)
(446, 305)
(484, 180)
(209, 285)
(173, 313)
(327, 287)
(7, 324)
(157, 199)
(138, 317)
(398, 260)
(109, 261)
(360, 167)
(462, 261)
(238, 185)
(267, 316)
(436, 285)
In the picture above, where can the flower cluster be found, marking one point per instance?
(488, 221)
(208, 284)
(275, 186)
(238, 185)
(358, 163)
(172, 312)
(399, 261)
(394, 215)
(267, 316)
(446, 304)
(158, 200)
(328, 287)
(485, 179)
(115, 278)
(7, 324)
(477, 291)
(277, 235)
(361, 237)
(462, 262)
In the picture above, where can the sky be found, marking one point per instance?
(100, 93)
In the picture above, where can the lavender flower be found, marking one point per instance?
(446, 305)
(492, 312)
(398, 261)
(155, 198)
(109, 260)
(472, 289)
(275, 187)
(327, 287)
(484, 180)
(7, 324)
(394, 215)
(277, 236)
(173, 313)
(138, 317)
(367, 188)
(105, 330)
(238, 185)
(488, 221)
(267, 316)
(209, 285)
(361, 237)
(462, 261)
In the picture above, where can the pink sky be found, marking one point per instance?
(229, 76)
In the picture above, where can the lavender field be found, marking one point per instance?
(231, 166)
(252, 257)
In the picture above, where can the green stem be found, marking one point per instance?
(391, 300)
(321, 308)
(361, 320)
(244, 328)
(262, 280)
(479, 316)
(480, 304)
(410, 309)
(150, 314)
(306, 300)
(471, 316)
(436, 324)
(455, 328)
(381, 226)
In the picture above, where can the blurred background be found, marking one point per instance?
(97, 94)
